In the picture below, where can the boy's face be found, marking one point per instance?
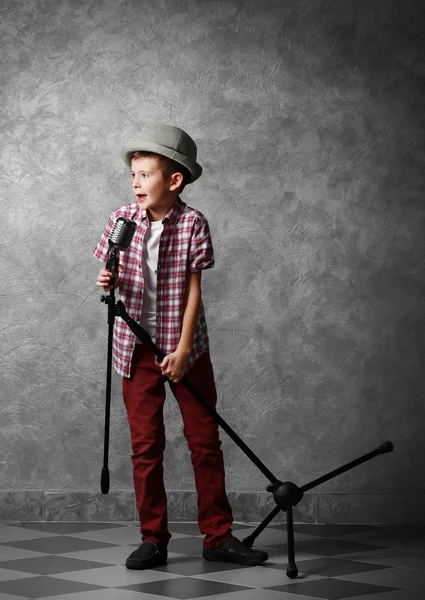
(152, 191)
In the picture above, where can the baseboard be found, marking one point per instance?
(381, 509)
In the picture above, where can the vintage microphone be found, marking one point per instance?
(121, 235)
(120, 239)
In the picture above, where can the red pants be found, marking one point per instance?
(144, 395)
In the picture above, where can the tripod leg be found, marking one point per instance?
(291, 571)
(383, 449)
(249, 540)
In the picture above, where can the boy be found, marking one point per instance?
(159, 282)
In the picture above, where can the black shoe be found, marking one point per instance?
(234, 551)
(147, 556)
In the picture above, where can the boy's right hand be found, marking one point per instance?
(104, 279)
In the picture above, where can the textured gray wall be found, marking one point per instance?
(309, 122)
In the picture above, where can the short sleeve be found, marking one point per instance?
(201, 248)
(101, 250)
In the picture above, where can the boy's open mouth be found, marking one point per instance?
(141, 197)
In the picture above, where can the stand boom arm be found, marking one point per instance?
(146, 339)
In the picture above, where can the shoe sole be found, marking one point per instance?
(139, 565)
(238, 561)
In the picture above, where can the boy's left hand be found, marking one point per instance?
(174, 365)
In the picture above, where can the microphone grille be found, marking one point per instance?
(122, 233)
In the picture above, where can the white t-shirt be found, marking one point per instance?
(149, 266)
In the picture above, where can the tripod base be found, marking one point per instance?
(288, 494)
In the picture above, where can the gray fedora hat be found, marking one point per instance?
(168, 141)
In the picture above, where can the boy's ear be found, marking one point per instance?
(176, 181)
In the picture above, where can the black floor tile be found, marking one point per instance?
(333, 567)
(332, 547)
(185, 588)
(410, 530)
(65, 528)
(398, 535)
(60, 544)
(37, 587)
(50, 565)
(331, 589)
(323, 530)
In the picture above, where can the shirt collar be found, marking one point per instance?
(173, 214)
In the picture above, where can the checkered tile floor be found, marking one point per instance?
(85, 561)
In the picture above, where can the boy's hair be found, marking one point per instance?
(167, 166)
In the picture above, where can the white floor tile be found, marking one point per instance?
(116, 576)
(17, 534)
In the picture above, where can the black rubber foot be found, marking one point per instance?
(104, 480)
(292, 571)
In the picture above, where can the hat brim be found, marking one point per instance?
(134, 146)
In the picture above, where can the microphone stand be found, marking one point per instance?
(111, 265)
(286, 494)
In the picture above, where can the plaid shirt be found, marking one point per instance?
(185, 246)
